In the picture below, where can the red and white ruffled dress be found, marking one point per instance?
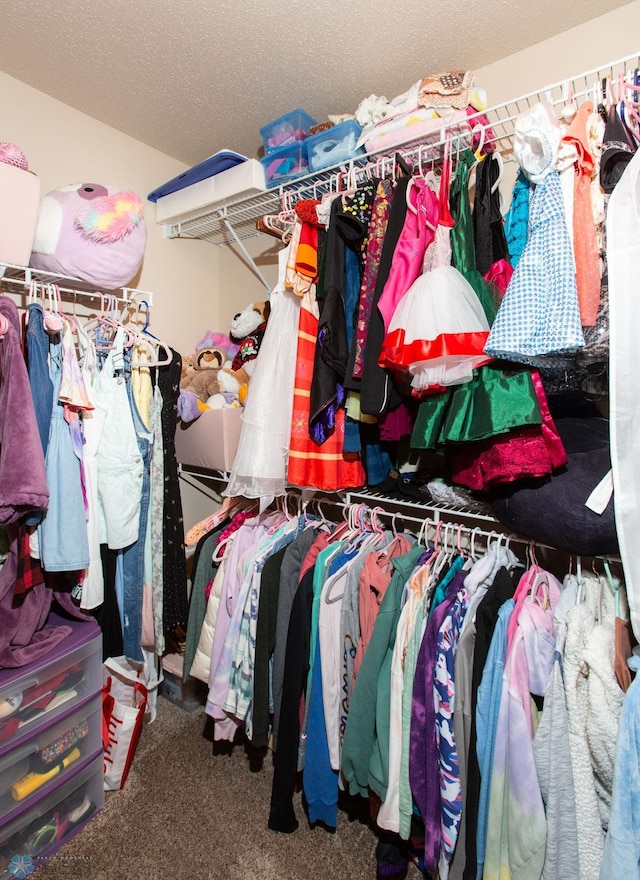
(439, 329)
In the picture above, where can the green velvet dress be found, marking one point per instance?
(462, 240)
(499, 398)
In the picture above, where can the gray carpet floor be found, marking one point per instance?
(186, 813)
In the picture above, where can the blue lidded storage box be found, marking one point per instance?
(286, 130)
(285, 164)
(221, 161)
(336, 144)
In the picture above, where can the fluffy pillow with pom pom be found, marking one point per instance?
(92, 232)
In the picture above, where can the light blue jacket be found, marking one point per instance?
(621, 858)
(488, 706)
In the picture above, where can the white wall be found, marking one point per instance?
(593, 44)
(65, 146)
(239, 284)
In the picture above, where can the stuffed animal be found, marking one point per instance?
(203, 382)
(248, 328)
(234, 382)
(92, 232)
(210, 358)
(188, 366)
(199, 386)
(196, 389)
(214, 339)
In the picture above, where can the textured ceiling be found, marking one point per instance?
(191, 77)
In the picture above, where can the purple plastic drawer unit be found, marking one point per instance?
(28, 840)
(39, 693)
(39, 761)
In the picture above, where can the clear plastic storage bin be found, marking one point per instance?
(35, 695)
(286, 130)
(334, 145)
(285, 164)
(37, 763)
(34, 836)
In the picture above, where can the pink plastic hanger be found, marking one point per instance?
(51, 302)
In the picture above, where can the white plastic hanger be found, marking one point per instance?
(498, 157)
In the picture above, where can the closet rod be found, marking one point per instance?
(23, 276)
(496, 530)
(199, 486)
(456, 529)
(447, 530)
(476, 523)
(422, 510)
(417, 513)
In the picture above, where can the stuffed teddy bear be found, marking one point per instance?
(247, 328)
(210, 358)
(199, 386)
(203, 381)
(188, 366)
(214, 339)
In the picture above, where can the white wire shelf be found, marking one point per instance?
(14, 277)
(434, 510)
(462, 519)
(213, 222)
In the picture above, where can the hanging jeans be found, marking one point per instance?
(37, 344)
(133, 555)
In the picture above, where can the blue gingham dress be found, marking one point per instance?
(539, 315)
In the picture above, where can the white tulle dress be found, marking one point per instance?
(260, 465)
(439, 329)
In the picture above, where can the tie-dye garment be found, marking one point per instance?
(516, 830)
(444, 698)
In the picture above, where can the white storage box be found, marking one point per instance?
(19, 203)
(245, 179)
(211, 440)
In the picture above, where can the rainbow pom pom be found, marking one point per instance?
(110, 218)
